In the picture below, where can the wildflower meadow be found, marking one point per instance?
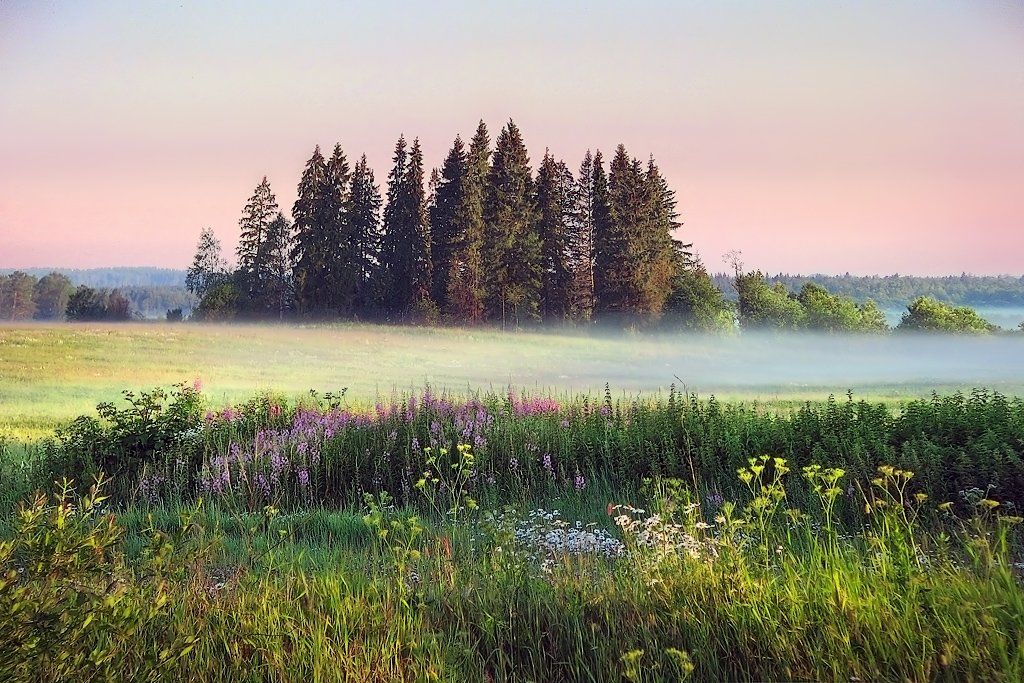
(515, 536)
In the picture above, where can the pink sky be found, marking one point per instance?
(866, 137)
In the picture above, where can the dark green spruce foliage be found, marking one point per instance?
(276, 295)
(253, 274)
(447, 224)
(580, 244)
(512, 247)
(406, 240)
(637, 251)
(555, 193)
(465, 282)
(313, 216)
(364, 226)
(342, 246)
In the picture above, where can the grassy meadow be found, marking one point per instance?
(478, 507)
(50, 373)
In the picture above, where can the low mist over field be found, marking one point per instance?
(53, 372)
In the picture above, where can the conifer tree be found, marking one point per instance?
(604, 251)
(277, 295)
(512, 248)
(663, 255)
(621, 244)
(342, 248)
(554, 197)
(465, 296)
(406, 252)
(446, 230)
(639, 251)
(312, 217)
(364, 223)
(580, 243)
(259, 211)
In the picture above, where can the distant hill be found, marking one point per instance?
(113, 277)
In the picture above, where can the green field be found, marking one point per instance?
(51, 373)
(514, 520)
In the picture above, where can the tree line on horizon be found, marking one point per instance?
(52, 297)
(481, 240)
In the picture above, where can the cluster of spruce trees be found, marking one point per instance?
(483, 239)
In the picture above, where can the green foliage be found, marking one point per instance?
(73, 608)
(512, 247)
(554, 197)
(767, 307)
(637, 256)
(771, 578)
(405, 252)
(696, 303)
(208, 268)
(121, 442)
(899, 290)
(87, 304)
(16, 292)
(834, 313)
(220, 302)
(925, 314)
(51, 295)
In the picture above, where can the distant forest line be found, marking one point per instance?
(153, 291)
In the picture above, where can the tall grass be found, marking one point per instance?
(763, 592)
(320, 451)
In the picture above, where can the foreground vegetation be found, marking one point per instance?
(517, 537)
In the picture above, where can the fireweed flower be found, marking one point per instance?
(548, 465)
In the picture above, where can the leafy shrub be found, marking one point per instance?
(72, 608)
(121, 441)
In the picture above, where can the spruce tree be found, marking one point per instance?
(620, 245)
(512, 248)
(465, 296)
(312, 218)
(663, 255)
(364, 223)
(421, 275)
(277, 294)
(554, 197)
(580, 243)
(604, 251)
(446, 231)
(259, 211)
(342, 246)
(406, 240)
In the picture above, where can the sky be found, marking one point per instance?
(864, 137)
